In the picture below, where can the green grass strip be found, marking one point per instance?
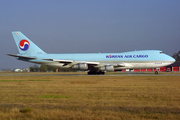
(38, 80)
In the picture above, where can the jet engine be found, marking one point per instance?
(108, 68)
(81, 66)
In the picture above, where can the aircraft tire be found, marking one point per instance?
(156, 72)
(100, 73)
(90, 73)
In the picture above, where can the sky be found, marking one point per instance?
(89, 26)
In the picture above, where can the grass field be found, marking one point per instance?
(89, 97)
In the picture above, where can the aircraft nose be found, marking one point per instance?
(172, 60)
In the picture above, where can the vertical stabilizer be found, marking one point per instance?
(25, 46)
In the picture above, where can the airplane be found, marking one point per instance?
(94, 63)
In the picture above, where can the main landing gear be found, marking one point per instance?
(95, 71)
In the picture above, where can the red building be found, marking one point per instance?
(175, 67)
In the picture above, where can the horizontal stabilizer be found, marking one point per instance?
(20, 56)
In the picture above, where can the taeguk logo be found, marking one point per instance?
(24, 45)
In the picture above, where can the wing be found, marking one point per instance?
(122, 65)
(92, 64)
(71, 62)
(60, 61)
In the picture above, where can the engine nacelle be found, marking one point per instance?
(108, 68)
(81, 66)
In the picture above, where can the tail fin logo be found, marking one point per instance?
(24, 45)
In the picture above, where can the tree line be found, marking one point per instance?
(44, 68)
(176, 56)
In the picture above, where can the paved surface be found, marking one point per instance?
(84, 74)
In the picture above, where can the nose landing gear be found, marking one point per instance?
(156, 72)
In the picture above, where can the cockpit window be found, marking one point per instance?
(161, 52)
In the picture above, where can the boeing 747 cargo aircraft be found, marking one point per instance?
(94, 63)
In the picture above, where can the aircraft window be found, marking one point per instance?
(161, 52)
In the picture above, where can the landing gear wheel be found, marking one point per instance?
(90, 73)
(156, 72)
